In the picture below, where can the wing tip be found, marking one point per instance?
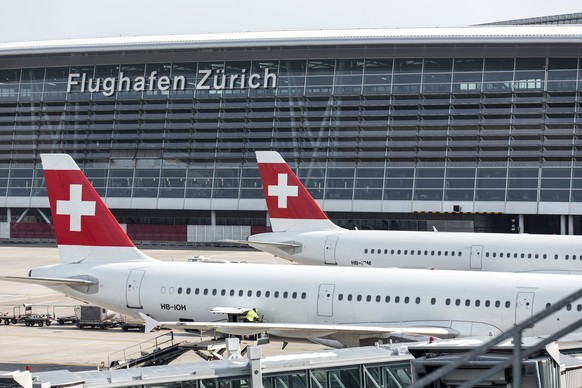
(150, 323)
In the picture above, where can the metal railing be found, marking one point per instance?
(518, 354)
(123, 358)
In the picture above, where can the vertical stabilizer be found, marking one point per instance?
(85, 228)
(290, 206)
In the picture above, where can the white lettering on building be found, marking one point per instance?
(153, 82)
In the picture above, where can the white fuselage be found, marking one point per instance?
(439, 250)
(473, 303)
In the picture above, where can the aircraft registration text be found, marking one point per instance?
(176, 307)
(362, 263)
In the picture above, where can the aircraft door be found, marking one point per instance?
(476, 253)
(523, 306)
(325, 300)
(132, 288)
(329, 250)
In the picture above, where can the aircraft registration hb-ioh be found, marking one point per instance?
(100, 265)
(303, 233)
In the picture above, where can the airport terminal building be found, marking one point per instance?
(475, 128)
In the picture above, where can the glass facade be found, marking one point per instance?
(388, 375)
(358, 124)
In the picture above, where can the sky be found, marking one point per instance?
(29, 20)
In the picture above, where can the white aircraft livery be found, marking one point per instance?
(100, 265)
(303, 233)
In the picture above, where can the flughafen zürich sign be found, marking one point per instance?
(206, 80)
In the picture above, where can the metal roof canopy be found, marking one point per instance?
(449, 35)
(230, 367)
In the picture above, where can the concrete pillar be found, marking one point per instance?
(254, 354)
(213, 217)
(562, 224)
(570, 224)
(233, 349)
(521, 223)
(6, 232)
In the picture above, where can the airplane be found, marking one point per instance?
(100, 265)
(301, 232)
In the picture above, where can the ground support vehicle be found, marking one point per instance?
(67, 319)
(90, 316)
(38, 320)
(132, 325)
(18, 315)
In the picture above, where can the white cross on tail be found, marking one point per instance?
(75, 207)
(282, 191)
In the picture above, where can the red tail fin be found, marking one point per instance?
(82, 221)
(288, 201)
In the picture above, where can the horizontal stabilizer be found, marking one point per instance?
(49, 281)
(258, 244)
(300, 330)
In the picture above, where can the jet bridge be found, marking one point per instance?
(384, 366)
(508, 359)
(513, 364)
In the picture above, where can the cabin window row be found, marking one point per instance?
(528, 255)
(411, 252)
(459, 254)
(569, 306)
(417, 300)
(232, 292)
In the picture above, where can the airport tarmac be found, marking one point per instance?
(61, 347)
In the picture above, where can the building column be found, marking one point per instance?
(5, 227)
(521, 223)
(213, 218)
(562, 224)
(254, 354)
(570, 224)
